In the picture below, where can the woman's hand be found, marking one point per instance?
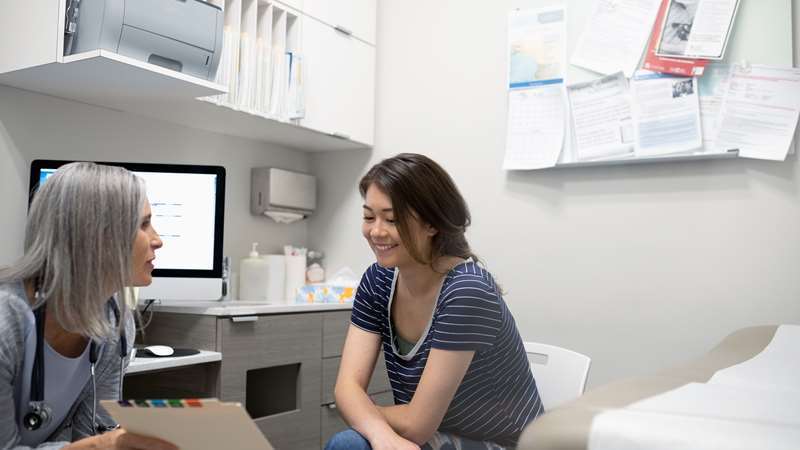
(121, 440)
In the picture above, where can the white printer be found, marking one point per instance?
(182, 35)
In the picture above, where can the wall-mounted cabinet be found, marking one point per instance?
(296, 69)
(339, 85)
(299, 74)
(32, 58)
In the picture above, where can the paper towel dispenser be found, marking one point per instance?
(182, 35)
(282, 194)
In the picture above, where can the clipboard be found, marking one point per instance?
(190, 423)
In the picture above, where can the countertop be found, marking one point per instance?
(244, 308)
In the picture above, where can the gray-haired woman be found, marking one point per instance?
(64, 335)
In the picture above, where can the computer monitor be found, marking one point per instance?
(188, 203)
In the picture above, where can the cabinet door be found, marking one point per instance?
(339, 83)
(357, 17)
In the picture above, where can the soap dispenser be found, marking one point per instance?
(253, 277)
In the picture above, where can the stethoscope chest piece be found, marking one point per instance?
(38, 415)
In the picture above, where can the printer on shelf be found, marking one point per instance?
(182, 35)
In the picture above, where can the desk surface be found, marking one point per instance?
(568, 427)
(246, 308)
(141, 365)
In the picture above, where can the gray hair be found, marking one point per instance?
(79, 240)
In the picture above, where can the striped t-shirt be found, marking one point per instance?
(498, 395)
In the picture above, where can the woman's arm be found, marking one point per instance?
(358, 361)
(418, 420)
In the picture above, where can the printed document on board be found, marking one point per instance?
(602, 118)
(536, 101)
(615, 36)
(675, 66)
(712, 87)
(697, 28)
(760, 111)
(666, 114)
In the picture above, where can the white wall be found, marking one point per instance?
(640, 267)
(36, 126)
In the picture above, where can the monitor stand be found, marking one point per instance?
(182, 289)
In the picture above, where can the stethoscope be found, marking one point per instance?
(39, 413)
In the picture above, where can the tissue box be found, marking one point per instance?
(325, 293)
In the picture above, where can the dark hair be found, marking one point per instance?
(419, 188)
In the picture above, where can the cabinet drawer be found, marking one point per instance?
(182, 331)
(334, 330)
(298, 429)
(333, 423)
(270, 341)
(330, 368)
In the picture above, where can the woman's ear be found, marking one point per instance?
(430, 231)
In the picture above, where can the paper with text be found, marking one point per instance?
(535, 127)
(666, 114)
(697, 28)
(760, 111)
(602, 118)
(536, 99)
(615, 36)
(712, 87)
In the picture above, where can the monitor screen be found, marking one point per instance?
(187, 203)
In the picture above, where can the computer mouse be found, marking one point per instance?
(160, 350)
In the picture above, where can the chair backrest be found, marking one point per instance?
(560, 374)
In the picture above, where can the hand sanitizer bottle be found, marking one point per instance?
(252, 277)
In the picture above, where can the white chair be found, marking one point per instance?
(560, 373)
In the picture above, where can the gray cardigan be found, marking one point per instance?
(14, 323)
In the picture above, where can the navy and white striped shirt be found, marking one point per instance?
(498, 395)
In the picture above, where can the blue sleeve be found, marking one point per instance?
(366, 309)
(470, 316)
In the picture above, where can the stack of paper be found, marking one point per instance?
(263, 76)
(247, 71)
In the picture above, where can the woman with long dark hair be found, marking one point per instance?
(454, 356)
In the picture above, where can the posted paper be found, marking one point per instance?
(697, 28)
(666, 114)
(602, 119)
(760, 111)
(615, 36)
(676, 66)
(712, 87)
(536, 98)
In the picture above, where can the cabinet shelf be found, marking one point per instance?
(234, 121)
(108, 79)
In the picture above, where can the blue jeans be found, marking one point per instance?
(350, 439)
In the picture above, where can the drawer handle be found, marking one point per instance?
(336, 134)
(331, 405)
(343, 30)
(244, 319)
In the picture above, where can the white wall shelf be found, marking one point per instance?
(731, 154)
(108, 79)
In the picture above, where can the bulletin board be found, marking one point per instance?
(762, 34)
